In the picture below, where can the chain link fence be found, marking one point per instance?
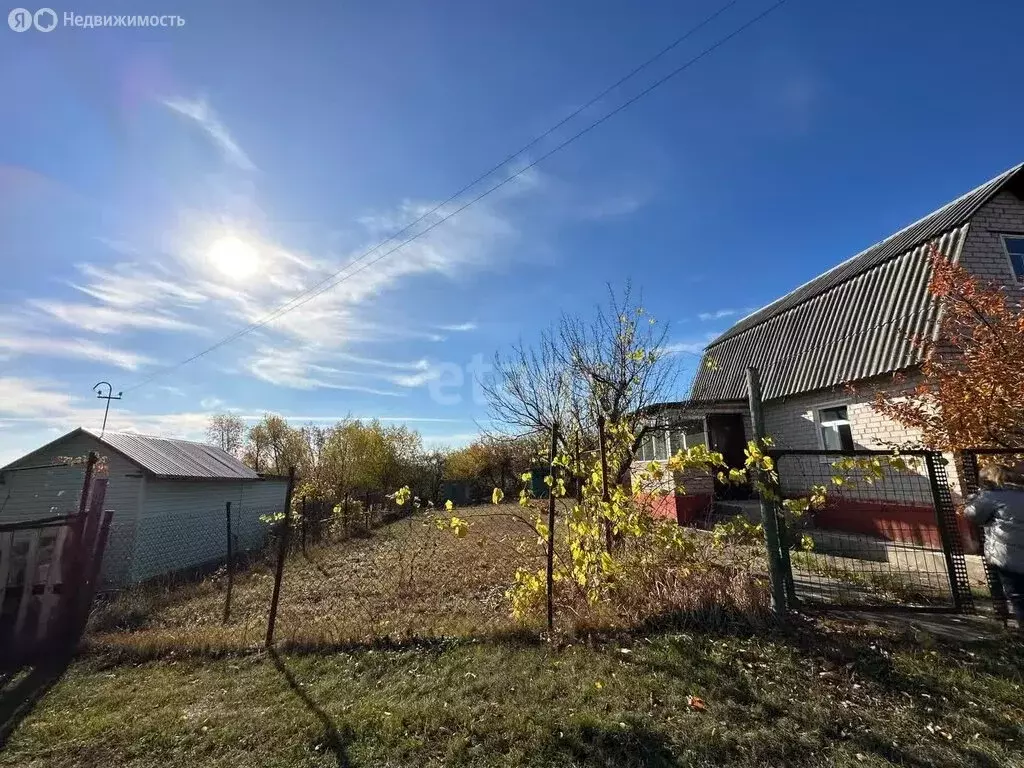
(351, 573)
(878, 538)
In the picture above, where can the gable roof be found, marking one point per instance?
(852, 322)
(166, 458)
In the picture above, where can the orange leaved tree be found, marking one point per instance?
(973, 389)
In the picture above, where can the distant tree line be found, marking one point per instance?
(356, 458)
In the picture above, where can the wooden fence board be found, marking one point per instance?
(28, 582)
(54, 576)
(6, 553)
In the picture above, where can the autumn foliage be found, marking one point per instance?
(973, 389)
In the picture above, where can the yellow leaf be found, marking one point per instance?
(449, 506)
(497, 496)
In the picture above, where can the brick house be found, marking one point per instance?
(826, 348)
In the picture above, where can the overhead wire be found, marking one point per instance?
(341, 275)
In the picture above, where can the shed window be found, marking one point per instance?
(834, 424)
(1014, 246)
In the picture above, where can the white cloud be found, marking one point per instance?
(718, 314)
(171, 285)
(20, 343)
(417, 379)
(694, 346)
(33, 410)
(299, 369)
(201, 112)
(101, 319)
(456, 440)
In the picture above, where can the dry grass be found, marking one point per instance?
(411, 580)
(407, 579)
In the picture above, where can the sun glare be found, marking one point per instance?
(233, 256)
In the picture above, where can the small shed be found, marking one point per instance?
(169, 499)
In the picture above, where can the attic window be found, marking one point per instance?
(1014, 246)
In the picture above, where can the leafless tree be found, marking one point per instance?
(226, 431)
(615, 364)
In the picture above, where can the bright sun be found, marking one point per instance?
(233, 256)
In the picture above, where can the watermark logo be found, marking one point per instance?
(46, 20)
(22, 19)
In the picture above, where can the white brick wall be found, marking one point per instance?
(790, 422)
(983, 252)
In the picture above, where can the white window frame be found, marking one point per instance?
(1018, 279)
(816, 414)
(666, 436)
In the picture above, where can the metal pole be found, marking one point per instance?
(282, 551)
(551, 531)
(945, 517)
(578, 471)
(769, 520)
(303, 523)
(605, 494)
(231, 565)
(108, 397)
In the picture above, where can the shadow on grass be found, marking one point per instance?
(604, 747)
(337, 741)
(21, 691)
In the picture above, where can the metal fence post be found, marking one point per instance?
(230, 564)
(302, 522)
(551, 532)
(952, 549)
(282, 552)
(605, 494)
(769, 519)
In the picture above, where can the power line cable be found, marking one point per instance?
(337, 278)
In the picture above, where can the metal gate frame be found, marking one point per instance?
(945, 516)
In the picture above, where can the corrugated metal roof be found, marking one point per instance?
(931, 226)
(853, 322)
(177, 459)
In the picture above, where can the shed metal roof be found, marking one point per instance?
(162, 457)
(177, 459)
(853, 322)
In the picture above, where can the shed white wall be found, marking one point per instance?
(37, 493)
(183, 522)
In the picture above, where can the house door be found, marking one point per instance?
(726, 436)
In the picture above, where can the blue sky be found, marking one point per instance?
(160, 188)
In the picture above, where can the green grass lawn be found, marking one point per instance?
(820, 695)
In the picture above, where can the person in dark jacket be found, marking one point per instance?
(999, 506)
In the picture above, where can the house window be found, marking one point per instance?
(1014, 246)
(654, 446)
(649, 445)
(834, 425)
(686, 435)
(660, 446)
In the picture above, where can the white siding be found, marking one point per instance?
(38, 493)
(183, 523)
